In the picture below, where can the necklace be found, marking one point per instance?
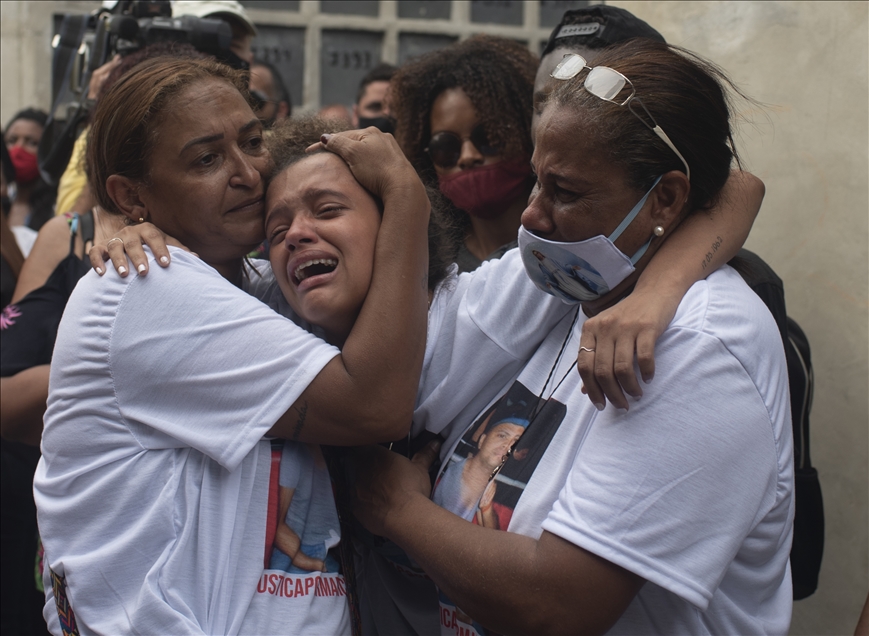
(541, 402)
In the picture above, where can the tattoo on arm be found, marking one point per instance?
(716, 245)
(300, 423)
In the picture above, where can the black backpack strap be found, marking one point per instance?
(808, 547)
(86, 223)
(802, 391)
(808, 544)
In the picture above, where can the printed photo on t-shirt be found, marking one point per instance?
(302, 575)
(305, 521)
(519, 420)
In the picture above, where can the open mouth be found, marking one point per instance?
(314, 267)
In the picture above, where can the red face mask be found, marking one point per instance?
(26, 166)
(485, 192)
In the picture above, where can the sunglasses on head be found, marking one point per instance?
(445, 148)
(606, 83)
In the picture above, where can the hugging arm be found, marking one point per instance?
(367, 393)
(132, 238)
(702, 243)
(508, 582)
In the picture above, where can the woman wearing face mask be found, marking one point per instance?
(464, 120)
(32, 203)
(673, 516)
(463, 116)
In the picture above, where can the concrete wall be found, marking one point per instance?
(807, 62)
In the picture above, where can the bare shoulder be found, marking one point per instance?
(51, 247)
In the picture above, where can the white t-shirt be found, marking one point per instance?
(692, 489)
(156, 492)
(483, 327)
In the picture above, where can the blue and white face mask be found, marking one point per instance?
(581, 270)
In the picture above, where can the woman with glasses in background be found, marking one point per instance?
(671, 516)
(463, 118)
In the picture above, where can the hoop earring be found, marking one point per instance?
(658, 230)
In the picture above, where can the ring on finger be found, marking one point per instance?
(586, 349)
(112, 240)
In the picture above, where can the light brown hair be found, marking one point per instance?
(127, 117)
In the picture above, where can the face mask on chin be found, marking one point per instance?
(26, 165)
(383, 124)
(581, 270)
(486, 192)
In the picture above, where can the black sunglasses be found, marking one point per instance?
(445, 148)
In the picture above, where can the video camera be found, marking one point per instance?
(86, 42)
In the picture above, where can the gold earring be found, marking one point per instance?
(141, 220)
(658, 230)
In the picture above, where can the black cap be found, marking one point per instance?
(6, 161)
(599, 26)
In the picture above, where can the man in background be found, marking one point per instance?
(372, 99)
(267, 86)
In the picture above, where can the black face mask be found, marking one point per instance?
(383, 124)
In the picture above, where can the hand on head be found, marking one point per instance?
(375, 159)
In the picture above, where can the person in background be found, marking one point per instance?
(10, 250)
(243, 29)
(33, 199)
(463, 118)
(372, 99)
(268, 88)
(338, 113)
(21, 236)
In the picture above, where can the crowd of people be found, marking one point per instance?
(321, 360)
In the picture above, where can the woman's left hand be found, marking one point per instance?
(610, 341)
(127, 243)
(382, 481)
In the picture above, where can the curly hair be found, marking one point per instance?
(497, 74)
(287, 146)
